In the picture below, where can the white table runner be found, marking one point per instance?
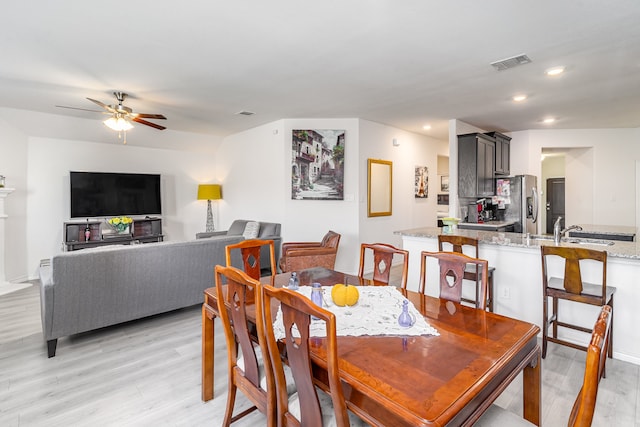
(376, 313)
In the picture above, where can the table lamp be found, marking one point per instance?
(209, 192)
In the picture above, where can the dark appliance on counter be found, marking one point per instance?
(517, 200)
(474, 213)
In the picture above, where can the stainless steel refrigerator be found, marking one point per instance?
(517, 198)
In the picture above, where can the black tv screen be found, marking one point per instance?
(96, 194)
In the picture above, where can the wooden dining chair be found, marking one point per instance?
(298, 256)
(250, 370)
(382, 262)
(571, 287)
(250, 254)
(459, 244)
(309, 406)
(584, 406)
(452, 267)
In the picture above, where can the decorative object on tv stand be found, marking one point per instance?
(87, 232)
(209, 192)
(121, 224)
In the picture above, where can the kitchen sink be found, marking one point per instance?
(588, 241)
(574, 240)
(541, 237)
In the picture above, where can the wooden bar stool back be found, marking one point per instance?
(452, 266)
(459, 244)
(571, 287)
(382, 262)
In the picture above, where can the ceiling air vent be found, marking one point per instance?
(245, 113)
(505, 64)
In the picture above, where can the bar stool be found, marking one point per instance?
(457, 244)
(572, 288)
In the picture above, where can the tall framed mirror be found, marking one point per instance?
(379, 194)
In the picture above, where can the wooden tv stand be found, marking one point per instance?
(145, 230)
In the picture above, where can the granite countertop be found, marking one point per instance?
(619, 249)
(488, 224)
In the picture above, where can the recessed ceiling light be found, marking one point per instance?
(426, 127)
(555, 71)
(548, 120)
(519, 98)
(245, 113)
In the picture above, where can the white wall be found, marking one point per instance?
(50, 161)
(255, 171)
(408, 212)
(604, 192)
(13, 165)
(250, 167)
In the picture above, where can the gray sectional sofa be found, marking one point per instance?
(267, 231)
(93, 288)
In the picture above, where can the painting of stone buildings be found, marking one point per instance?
(317, 164)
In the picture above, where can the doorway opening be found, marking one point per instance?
(553, 178)
(555, 203)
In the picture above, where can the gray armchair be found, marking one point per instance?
(268, 231)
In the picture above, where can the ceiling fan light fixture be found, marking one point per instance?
(118, 124)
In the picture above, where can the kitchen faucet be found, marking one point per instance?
(557, 233)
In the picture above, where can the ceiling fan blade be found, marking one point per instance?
(149, 116)
(82, 109)
(103, 105)
(144, 122)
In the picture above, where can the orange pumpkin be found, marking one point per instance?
(344, 295)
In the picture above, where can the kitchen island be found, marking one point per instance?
(518, 280)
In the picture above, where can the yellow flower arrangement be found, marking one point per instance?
(120, 223)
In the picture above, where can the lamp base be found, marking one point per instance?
(209, 228)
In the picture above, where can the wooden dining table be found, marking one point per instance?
(424, 380)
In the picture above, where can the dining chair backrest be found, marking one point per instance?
(297, 311)
(250, 254)
(468, 246)
(451, 273)
(382, 262)
(585, 404)
(250, 371)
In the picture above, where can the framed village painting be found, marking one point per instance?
(317, 164)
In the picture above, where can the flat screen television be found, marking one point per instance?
(102, 194)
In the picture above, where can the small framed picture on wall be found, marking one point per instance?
(444, 183)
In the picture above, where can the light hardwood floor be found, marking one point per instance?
(147, 373)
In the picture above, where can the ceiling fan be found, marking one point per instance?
(121, 115)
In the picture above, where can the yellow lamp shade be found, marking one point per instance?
(209, 192)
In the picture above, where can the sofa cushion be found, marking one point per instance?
(269, 229)
(237, 227)
(251, 230)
